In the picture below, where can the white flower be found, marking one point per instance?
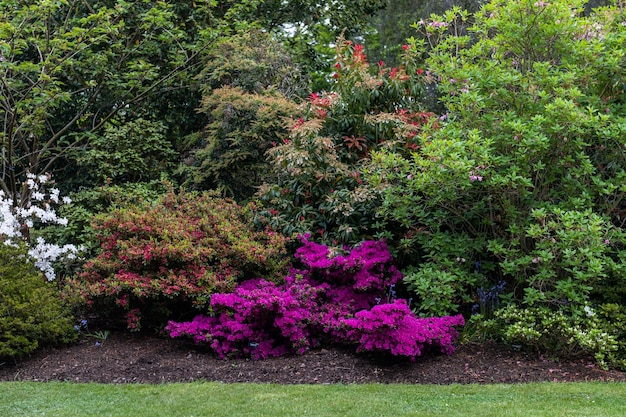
(54, 195)
(45, 254)
(13, 217)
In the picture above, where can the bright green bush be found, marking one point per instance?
(566, 333)
(524, 177)
(164, 260)
(31, 312)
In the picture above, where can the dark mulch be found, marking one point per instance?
(139, 358)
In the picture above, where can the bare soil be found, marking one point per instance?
(142, 358)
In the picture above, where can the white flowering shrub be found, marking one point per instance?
(37, 207)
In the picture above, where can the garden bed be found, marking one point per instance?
(142, 358)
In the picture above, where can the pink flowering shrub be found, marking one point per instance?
(393, 328)
(258, 319)
(333, 299)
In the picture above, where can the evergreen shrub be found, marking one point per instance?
(169, 257)
(31, 311)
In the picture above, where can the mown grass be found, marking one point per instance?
(215, 399)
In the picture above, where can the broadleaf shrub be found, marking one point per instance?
(524, 174)
(319, 186)
(171, 256)
(31, 312)
(333, 298)
(562, 334)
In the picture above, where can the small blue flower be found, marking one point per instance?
(98, 344)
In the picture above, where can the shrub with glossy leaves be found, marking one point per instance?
(171, 256)
(320, 186)
(525, 173)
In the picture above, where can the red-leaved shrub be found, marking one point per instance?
(171, 256)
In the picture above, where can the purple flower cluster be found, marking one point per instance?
(331, 298)
(489, 300)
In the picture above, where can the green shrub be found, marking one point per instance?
(563, 334)
(127, 151)
(572, 253)
(248, 85)
(254, 61)
(525, 173)
(230, 150)
(613, 319)
(31, 312)
(164, 260)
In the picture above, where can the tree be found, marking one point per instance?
(68, 69)
(389, 28)
(249, 87)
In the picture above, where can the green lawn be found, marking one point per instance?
(214, 399)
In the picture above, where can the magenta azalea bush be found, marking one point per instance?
(393, 328)
(331, 298)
